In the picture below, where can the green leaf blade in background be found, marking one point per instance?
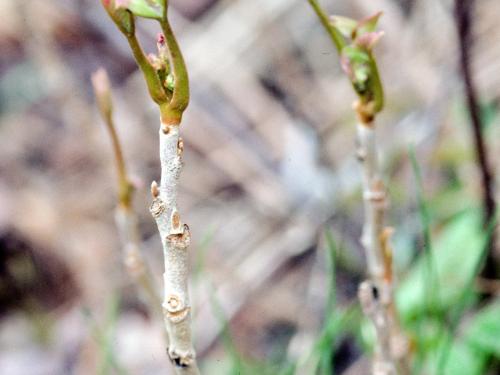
(455, 255)
(463, 360)
(483, 332)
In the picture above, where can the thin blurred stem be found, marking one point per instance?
(463, 16)
(377, 294)
(125, 217)
(125, 189)
(335, 36)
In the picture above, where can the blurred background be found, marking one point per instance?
(270, 174)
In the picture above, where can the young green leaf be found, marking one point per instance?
(142, 8)
(462, 360)
(121, 17)
(346, 26)
(484, 330)
(368, 24)
(456, 252)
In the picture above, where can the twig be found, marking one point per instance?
(175, 237)
(391, 343)
(375, 307)
(126, 219)
(354, 42)
(168, 85)
(463, 9)
(374, 196)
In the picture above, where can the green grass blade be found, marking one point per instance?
(331, 253)
(425, 220)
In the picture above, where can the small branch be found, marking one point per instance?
(374, 197)
(375, 305)
(102, 92)
(392, 345)
(175, 238)
(125, 190)
(175, 235)
(125, 217)
(354, 41)
(463, 17)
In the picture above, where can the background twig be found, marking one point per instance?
(464, 24)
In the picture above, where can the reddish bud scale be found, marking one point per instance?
(160, 38)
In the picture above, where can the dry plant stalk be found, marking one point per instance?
(354, 41)
(464, 11)
(125, 217)
(168, 85)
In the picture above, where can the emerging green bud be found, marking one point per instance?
(143, 8)
(170, 82)
(357, 39)
(162, 47)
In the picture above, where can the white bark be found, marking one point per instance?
(374, 200)
(375, 307)
(376, 295)
(175, 239)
